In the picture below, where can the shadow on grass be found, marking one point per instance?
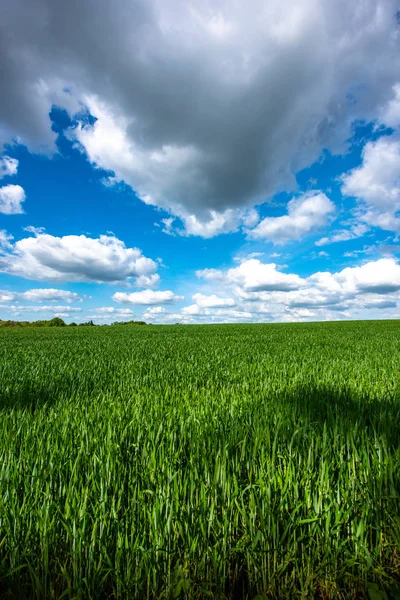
(32, 395)
(342, 410)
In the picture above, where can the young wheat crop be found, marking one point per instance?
(200, 461)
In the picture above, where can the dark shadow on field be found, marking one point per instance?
(35, 395)
(323, 407)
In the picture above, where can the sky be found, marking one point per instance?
(200, 161)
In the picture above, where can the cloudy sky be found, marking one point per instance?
(200, 161)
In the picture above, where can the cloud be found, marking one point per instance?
(104, 313)
(147, 297)
(19, 309)
(380, 277)
(252, 275)
(207, 109)
(41, 295)
(376, 183)
(8, 166)
(77, 258)
(355, 231)
(212, 301)
(218, 314)
(155, 312)
(305, 215)
(11, 198)
(34, 230)
(353, 292)
(390, 114)
(5, 240)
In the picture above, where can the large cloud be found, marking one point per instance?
(203, 108)
(257, 294)
(77, 258)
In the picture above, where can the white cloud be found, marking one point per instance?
(376, 183)
(380, 277)
(218, 105)
(77, 258)
(390, 114)
(103, 311)
(52, 309)
(147, 297)
(167, 225)
(305, 215)
(241, 257)
(155, 313)
(252, 275)
(217, 314)
(34, 230)
(41, 295)
(212, 301)
(11, 198)
(155, 310)
(353, 292)
(355, 231)
(5, 239)
(8, 166)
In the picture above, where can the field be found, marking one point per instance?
(223, 461)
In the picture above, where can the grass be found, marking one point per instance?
(227, 461)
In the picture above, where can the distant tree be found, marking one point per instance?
(73, 324)
(56, 322)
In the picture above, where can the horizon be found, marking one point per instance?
(200, 164)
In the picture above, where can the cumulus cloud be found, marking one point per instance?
(376, 183)
(77, 258)
(8, 166)
(305, 215)
(380, 277)
(252, 275)
(149, 297)
(204, 110)
(354, 292)
(11, 198)
(212, 301)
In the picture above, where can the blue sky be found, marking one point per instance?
(204, 164)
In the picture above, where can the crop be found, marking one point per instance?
(222, 461)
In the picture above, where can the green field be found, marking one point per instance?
(219, 461)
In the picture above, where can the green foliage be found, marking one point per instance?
(55, 322)
(231, 461)
(129, 323)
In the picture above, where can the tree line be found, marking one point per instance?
(58, 322)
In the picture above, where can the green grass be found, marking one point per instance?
(200, 461)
